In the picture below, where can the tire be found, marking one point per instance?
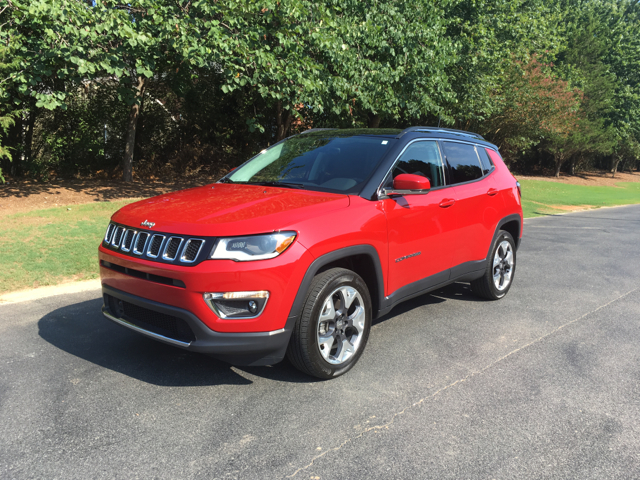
(326, 343)
(501, 268)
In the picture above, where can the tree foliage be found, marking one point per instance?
(167, 87)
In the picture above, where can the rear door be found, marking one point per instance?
(476, 199)
(421, 227)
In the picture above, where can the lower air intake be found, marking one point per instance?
(150, 320)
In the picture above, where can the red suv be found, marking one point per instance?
(296, 251)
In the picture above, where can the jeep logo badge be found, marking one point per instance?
(147, 223)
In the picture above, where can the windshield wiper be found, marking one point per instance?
(226, 180)
(277, 184)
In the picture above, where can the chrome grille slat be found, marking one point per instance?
(191, 250)
(140, 243)
(117, 237)
(172, 248)
(127, 240)
(154, 246)
(109, 234)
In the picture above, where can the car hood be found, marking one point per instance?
(226, 209)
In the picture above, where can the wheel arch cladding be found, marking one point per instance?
(361, 259)
(511, 224)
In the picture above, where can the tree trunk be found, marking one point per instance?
(282, 124)
(573, 166)
(28, 141)
(559, 158)
(373, 120)
(127, 164)
(14, 143)
(614, 165)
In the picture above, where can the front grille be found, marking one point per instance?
(109, 234)
(191, 250)
(154, 246)
(127, 240)
(157, 247)
(150, 320)
(117, 236)
(171, 250)
(141, 241)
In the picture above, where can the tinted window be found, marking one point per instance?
(484, 160)
(463, 161)
(421, 158)
(318, 162)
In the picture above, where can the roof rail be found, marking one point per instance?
(450, 131)
(316, 130)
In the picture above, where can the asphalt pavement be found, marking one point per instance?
(542, 384)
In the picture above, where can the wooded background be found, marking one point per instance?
(180, 88)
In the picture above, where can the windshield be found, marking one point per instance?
(325, 162)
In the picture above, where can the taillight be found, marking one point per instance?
(519, 190)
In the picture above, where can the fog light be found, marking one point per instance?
(253, 306)
(237, 305)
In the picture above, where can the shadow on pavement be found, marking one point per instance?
(455, 291)
(81, 330)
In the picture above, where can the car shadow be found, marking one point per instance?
(81, 330)
(455, 291)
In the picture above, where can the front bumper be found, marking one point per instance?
(183, 287)
(248, 349)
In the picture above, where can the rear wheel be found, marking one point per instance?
(333, 328)
(498, 277)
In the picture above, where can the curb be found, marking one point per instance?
(50, 291)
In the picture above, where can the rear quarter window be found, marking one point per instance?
(487, 165)
(462, 161)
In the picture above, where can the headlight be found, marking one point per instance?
(254, 247)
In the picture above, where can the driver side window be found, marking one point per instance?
(421, 158)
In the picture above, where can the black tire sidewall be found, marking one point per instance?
(344, 279)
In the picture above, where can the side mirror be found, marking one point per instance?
(407, 184)
(409, 181)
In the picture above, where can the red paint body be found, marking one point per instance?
(449, 226)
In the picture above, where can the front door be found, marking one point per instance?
(421, 227)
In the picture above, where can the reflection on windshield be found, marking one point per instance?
(327, 163)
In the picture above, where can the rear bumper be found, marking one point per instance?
(255, 348)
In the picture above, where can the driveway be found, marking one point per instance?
(544, 383)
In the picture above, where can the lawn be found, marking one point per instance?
(47, 247)
(540, 197)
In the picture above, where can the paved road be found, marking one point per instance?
(543, 384)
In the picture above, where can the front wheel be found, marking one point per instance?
(498, 277)
(333, 328)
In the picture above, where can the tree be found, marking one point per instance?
(387, 60)
(538, 106)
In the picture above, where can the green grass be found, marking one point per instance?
(47, 247)
(539, 197)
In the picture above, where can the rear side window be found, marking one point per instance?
(421, 158)
(487, 166)
(462, 161)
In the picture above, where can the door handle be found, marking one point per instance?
(447, 202)
(492, 192)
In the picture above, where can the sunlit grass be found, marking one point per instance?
(46, 247)
(540, 197)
